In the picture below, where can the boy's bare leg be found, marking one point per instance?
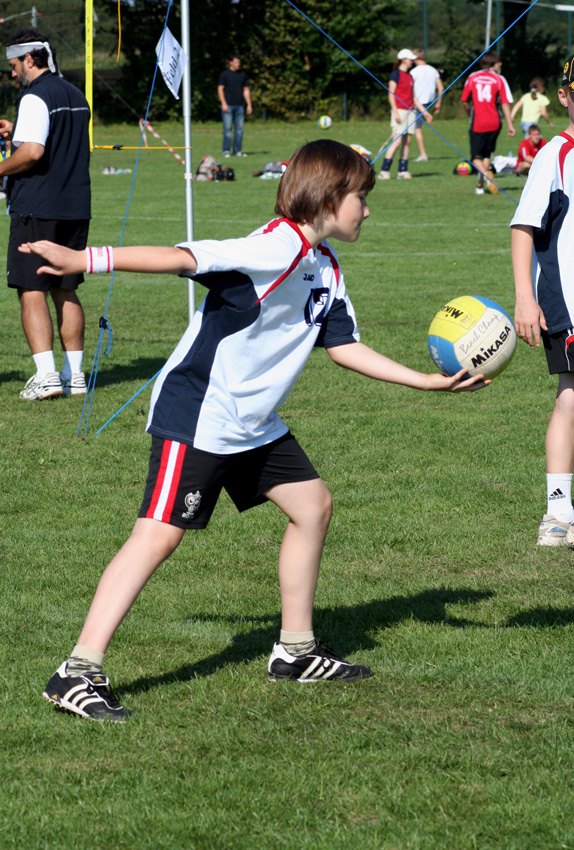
(560, 432)
(150, 543)
(308, 506)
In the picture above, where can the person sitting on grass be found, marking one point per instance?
(528, 148)
(272, 297)
(543, 230)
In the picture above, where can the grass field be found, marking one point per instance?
(464, 738)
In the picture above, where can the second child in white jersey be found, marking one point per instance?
(272, 297)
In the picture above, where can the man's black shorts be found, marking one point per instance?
(482, 145)
(559, 350)
(21, 268)
(184, 483)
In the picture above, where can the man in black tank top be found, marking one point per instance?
(49, 198)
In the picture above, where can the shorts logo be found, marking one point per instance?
(192, 502)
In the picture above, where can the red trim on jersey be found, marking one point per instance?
(564, 151)
(569, 341)
(306, 246)
(173, 483)
(326, 253)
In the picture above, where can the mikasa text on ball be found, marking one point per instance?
(474, 333)
(325, 122)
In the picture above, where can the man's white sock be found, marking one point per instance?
(559, 496)
(44, 363)
(72, 363)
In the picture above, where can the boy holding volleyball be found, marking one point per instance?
(543, 227)
(272, 297)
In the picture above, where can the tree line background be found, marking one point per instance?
(294, 71)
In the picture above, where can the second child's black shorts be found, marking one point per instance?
(21, 268)
(184, 483)
(482, 145)
(559, 350)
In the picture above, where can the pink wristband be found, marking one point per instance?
(100, 260)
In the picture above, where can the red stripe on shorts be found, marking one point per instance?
(172, 483)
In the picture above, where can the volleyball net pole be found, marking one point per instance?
(186, 115)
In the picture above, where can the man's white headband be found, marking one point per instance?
(14, 51)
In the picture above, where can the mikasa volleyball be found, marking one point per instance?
(474, 333)
(325, 122)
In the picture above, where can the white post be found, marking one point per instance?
(488, 23)
(186, 111)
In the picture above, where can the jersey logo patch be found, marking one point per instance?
(316, 306)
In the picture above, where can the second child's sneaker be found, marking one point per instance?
(553, 532)
(46, 386)
(89, 696)
(74, 384)
(404, 175)
(321, 664)
(384, 175)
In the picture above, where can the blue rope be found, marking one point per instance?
(105, 326)
(126, 404)
(376, 79)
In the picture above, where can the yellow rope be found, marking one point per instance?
(119, 31)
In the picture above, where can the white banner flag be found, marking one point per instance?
(172, 60)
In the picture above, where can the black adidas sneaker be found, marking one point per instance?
(89, 696)
(320, 665)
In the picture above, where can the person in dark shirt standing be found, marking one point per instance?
(232, 89)
(49, 198)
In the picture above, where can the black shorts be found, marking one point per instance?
(184, 483)
(559, 349)
(21, 268)
(482, 145)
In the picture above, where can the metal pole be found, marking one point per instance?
(186, 111)
(488, 24)
(425, 27)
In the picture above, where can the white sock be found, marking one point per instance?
(44, 363)
(559, 496)
(72, 363)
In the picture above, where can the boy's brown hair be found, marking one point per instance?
(318, 177)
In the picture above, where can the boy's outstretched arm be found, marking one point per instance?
(142, 258)
(528, 317)
(364, 360)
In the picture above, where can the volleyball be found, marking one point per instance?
(325, 122)
(463, 169)
(472, 333)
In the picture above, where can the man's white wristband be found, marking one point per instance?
(100, 260)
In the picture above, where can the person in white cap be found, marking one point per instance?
(402, 99)
(49, 198)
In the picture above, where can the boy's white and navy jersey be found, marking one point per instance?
(544, 205)
(271, 299)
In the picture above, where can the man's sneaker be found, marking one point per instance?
(74, 384)
(384, 175)
(45, 386)
(553, 532)
(479, 190)
(422, 159)
(318, 665)
(226, 154)
(404, 175)
(89, 696)
(240, 153)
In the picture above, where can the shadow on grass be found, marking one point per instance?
(350, 629)
(542, 618)
(142, 370)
